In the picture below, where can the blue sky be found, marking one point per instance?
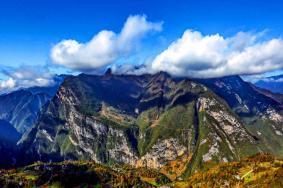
(29, 29)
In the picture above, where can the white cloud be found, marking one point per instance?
(105, 47)
(196, 55)
(7, 84)
(25, 77)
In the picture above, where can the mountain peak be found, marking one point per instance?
(162, 74)
(108, 72)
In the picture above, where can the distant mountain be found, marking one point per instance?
(274, 84)
(155, 121)
(19, 111)
(20, 108)
(275, 96)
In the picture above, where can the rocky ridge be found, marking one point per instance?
(144, 121)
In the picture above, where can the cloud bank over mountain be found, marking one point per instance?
(198, 55)
(105, 47)
(193, 54)
(25, 77)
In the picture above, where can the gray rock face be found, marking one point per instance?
(162, 152)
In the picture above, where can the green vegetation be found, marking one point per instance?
(196, 161)
(80, 173)
(173, 123)
(261, 170)
(119, 119)
(264, 131)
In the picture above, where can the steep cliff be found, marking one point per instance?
(261, 113)
(143, 121)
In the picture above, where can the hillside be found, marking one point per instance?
(261, 170)
(154, 121)
(257, 171)
(80, 174)
(260, 113)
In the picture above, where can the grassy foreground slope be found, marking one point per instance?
(80, 174)
(261, 170)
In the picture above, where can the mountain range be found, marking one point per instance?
(175, 125)
(272, 83)
(21, 107)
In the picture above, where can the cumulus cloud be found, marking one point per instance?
(105, 47)
(25, 77)
(8, 84)
(204, 56)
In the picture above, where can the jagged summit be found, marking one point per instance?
(108, 72)
(162, 74)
